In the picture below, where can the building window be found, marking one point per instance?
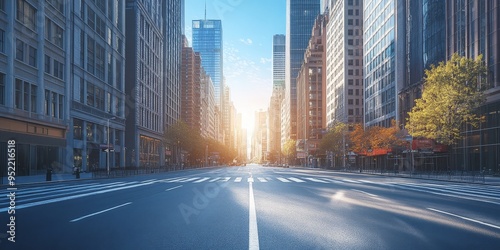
(34, 90)
(90, 54)
(110, 69)
(99, 61)
(47, 64)
(32, 56)
(53, 105)
(90, 131)
(2, 40)
(77, 129)
(90, 94)
(26, 14)
(349, 92)
(58, 4)
(53, 33)
(118, 75)
(19, 50)
(90, 18)
(25, 96)
(47, 102)
(61, 107)
(58, 70)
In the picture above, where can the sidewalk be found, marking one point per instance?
(32, 179)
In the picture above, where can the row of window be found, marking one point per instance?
(54, 104)
(54, 33)
(54, 67)
(26, 53)
(96, 132)
(91, 95)
(26, 14)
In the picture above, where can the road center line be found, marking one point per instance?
(465, 218)
(253, 233)
(173, 188)
(100, 212)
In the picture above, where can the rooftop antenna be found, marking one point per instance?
(205, 10)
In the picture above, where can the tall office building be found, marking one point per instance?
(300, 17)
(61, 80)
(207, 40)
(172, 11)
(173, 29)
(344, 80)
(426, 46)
(384, 59)
(192, 76)
(473, 28)
(311, 91)
(274, 126)
(144, 83)
(98, 85)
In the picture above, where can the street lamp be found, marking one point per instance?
(107, 150)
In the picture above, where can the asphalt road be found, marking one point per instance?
(252, 207)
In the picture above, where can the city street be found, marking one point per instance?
(252, 207)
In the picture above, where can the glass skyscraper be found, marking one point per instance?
(300, 17)
(207, 40)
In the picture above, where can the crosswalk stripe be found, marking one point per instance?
(316, 180)
(226, 179)
(215, 179)
(262, 179)
(190, 179)
(238, 179)
(201, 180)
(296, 179)
(250, 179)
(282, 179)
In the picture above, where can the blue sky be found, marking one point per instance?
(248, 28)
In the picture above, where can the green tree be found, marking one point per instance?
(452, 92)
(289, 149)
(335, 138)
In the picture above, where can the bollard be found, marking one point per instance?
(77, 173)
(48, 176)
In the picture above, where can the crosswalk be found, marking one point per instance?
(38, 195)
(239, 179)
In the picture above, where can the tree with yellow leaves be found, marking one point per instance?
(452, 93)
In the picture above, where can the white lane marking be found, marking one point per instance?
(465, 218)
(214, 180)
(250, 179)
(316, 180)
(445, 189)
(72, 191)
(226, 179)
(173, 188)
(262, 179)
(152, 180)
(238, 179)
(363, 192)
(282, 179)
(65, 198)
(201, 180)
(253, 233)
(296, 179)
(442, 194)
(100, 212)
